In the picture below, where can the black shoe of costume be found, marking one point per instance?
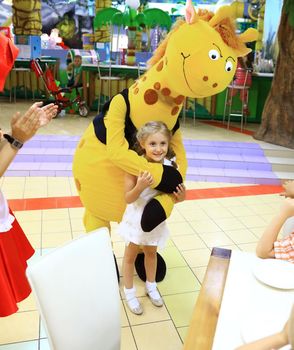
(116, 267)
(160, 270)
(153, 215)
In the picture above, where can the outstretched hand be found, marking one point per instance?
(288, 189)
(23, 127)
(49, 112)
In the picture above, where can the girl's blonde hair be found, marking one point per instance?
(152, 128)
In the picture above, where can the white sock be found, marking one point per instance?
(130, 294)
(151, 288)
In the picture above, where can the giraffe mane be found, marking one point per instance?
(225, 27)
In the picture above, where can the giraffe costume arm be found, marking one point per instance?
(178, 147)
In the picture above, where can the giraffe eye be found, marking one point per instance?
(229, 66)
(214, 55)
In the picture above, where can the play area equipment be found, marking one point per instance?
(57, 93)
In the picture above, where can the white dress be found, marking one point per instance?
(130, 226)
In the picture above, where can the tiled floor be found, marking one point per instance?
(216, 214)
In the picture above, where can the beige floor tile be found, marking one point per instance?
(18, 327)
(28, 215)
(188, 242)
(183, 331)
(239, 211)
(77, 225)
(76, 213)
(119, 249)
(199, 272)
(124, 319)
(207, 204)
(28, 304)
(242, 236)
(28, 345)
(218, 213)
(257, 231)
(180, 228)
(52, 240)
(195, 214)
(76, 234)
(178, 280)
(31, 227)
(172, 257)
(35, 193)
(217, 239)
(180, 307)
(35, 240)
(267, 218)
(253, 221)
(205, 226)
(13, 194)
(55, 214)
(230, 202)
(197, 257)
(127, 339)
(251, 200)
(155, 336)
(230, 223)
(175, 216)
(169, 243)
(263, 208)
(151, 313)
(56, 226)
(115, 237)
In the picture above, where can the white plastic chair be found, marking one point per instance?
(77, 294)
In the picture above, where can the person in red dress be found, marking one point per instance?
(15, 249)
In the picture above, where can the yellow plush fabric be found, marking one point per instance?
(193, 61)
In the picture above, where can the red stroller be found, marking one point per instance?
(58, 94)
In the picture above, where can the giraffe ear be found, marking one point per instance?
(250, 34)
(222, 13)
(190, 14)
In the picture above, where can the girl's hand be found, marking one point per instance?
(144, 180)
(289, 189)
(180, 193)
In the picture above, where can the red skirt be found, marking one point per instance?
(15, 250)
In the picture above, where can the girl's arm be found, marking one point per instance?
(134, 186)
(265, 246)
(271, 342)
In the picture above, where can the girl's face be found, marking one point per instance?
(156, 147)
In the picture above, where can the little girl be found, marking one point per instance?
(269, 246)
(153, 140)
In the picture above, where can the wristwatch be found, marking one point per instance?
(14, 142)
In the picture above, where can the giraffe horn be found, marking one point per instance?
(190, 14)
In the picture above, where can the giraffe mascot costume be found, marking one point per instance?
(198, 58)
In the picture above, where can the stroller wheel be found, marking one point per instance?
(83, 110)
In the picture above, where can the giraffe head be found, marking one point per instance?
(198, 58)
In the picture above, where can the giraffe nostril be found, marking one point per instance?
(214, 85)
(205, 78)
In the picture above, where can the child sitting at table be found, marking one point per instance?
(275, 341)
(74, 71)
(271, 247)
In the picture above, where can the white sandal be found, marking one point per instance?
(153, 294)
(132, 301)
